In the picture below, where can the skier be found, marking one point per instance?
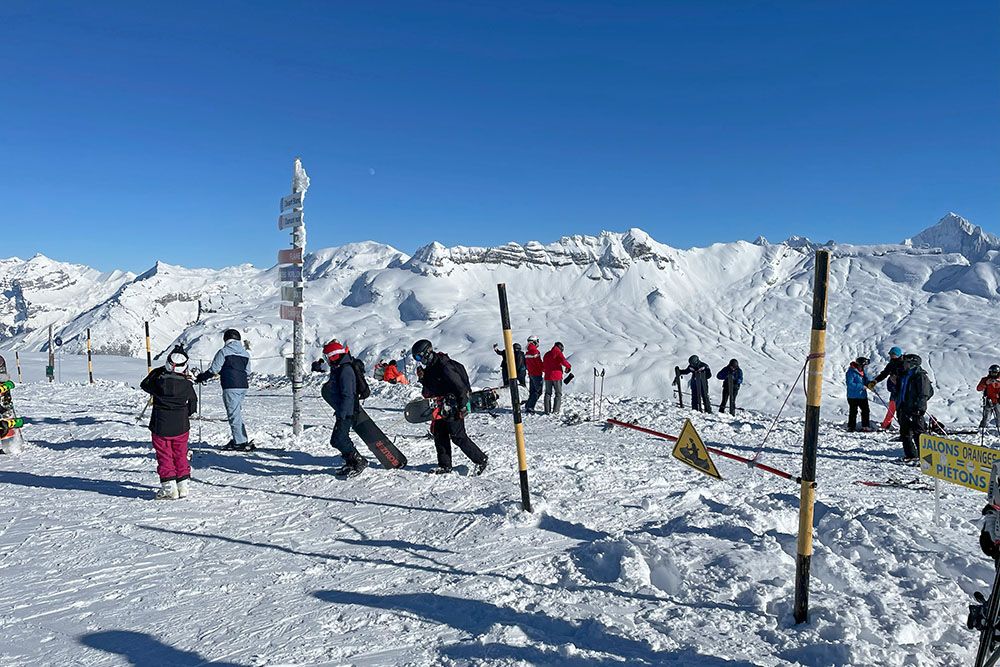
(447, 381)
(519, 363)
(553, 364)
(232, 365)
(990, 386)
(890, 374)
(914, 391)
(340, 392)
(174, 401)
(392, 374)
(536, 371)
(857, 397)
(700, 373)
(732, 379)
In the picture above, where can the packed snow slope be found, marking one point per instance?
(630, 557)
(619, 301)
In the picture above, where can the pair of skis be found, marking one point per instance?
(597, 400)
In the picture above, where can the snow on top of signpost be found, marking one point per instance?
(300, 181)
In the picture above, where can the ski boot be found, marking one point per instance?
(441, 470)
(168, 491)
(354, 465)
(478, 469)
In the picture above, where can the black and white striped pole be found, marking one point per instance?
(515, 400)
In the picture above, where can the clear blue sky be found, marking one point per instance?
(136, 131)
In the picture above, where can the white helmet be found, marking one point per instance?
(176, 362)
(533, 339)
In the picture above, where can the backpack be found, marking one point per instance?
(460, 370)
(363, 389)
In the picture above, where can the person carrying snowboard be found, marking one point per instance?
(891, 373)
(699, 372)
(11, 440)
(732, 379)
(536, 372)
(857, 396)
(340, 392)
(174, 401)
(519, 363)
(914, 391)
(990, 386)
(447, 381)
(553, 364)
(232, 365)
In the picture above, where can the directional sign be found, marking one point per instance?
(290, 256)
(293, 313)
(957, 462)
(291, 293)
(58, 341)
(691, 450)
(291, 274)
(290, 219)
(293, 200)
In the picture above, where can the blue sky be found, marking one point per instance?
(132, 132)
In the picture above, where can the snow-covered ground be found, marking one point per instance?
(630, 557)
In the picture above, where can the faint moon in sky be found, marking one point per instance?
(371, 171)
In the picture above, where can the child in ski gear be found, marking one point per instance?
(174, 401)
(914, 391)
(891, 373)
(536, 371)
(232, 365)
(732, 379)
(699, 372)
(990, 386)
(447, 381)
(392, 374)
(519, 363)
(857, 396)
(340, 392)
(553, 364)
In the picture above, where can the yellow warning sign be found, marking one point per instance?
(957, 462)
(692, 451)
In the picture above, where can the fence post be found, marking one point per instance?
(515, 400)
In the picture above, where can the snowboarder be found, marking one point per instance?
(536, 372)
(553, 364)
(700, 373)
(914, 391)
(392, 374)
(11, 440)
(891, 373)
(447, 381)
(232, 365)
(174, 401)
(519, 363)
(732, 379)
(990, 386)
(857, 396)
(340, 392)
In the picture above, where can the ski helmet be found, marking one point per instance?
(176, 362)
(693, 359)
(861, 361)
(231, 334)
(422, 350)
(994, 371)
(334, 350)
(733, 363)
(533, 340)
(517, 347)
(560, 346)
(896, 352)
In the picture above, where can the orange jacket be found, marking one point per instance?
(393, 375)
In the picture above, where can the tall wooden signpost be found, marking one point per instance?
(290, 275)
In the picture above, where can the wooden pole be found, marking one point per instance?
(90, 359)
(515, 400)
(149, 352)
(814, 396)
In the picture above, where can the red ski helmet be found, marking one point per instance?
(334, 350)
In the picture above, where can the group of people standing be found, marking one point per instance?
(731, 376)
(548, 373)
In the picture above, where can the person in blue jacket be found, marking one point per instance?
(232, 365)
(732, 378)
(857, 395)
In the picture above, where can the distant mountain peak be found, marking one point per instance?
(955, 234)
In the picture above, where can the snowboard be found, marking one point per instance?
(382, 447)
(11, 440)
(421, 410)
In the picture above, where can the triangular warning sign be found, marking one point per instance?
(691, 450)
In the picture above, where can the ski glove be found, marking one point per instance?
(204, 376)
(871, 386)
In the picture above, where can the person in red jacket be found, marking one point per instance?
(553, 364)
(536, 371)
(392, 374)
(990, 386)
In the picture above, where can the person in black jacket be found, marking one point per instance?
(447, 382)
(519, 363)
(700, 373)
(341, 393)
(914, 391)
(732, 379)
(174, 401)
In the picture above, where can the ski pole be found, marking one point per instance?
(593, 398)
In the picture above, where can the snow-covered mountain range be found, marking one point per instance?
(619, 301)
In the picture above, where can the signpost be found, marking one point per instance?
(957, 462)
(292, 217)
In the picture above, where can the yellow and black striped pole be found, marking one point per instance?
(149, 352)
(90, 360)
(515, 400)
(17, 362)
(814, 396)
